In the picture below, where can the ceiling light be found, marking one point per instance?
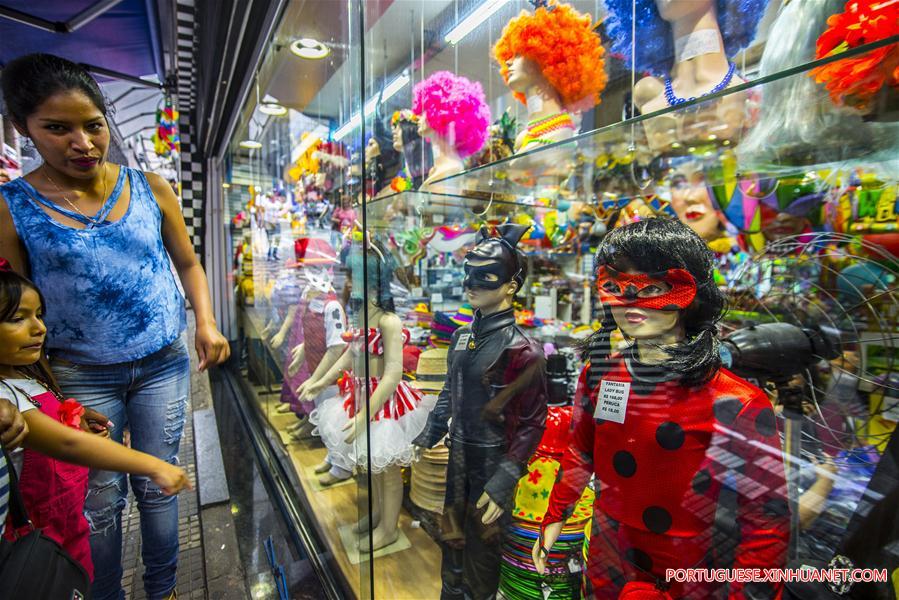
(309, 48)
(390, 90)
(226, 185)
(250, 144)
(272, 108)
(469, 23)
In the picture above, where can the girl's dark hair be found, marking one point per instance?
(385, 272)
(416, 152)
(12, 286)
(380, 274)
(29, 80)
(651, 246)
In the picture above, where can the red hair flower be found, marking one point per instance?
(70, 413)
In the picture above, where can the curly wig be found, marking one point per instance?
(456, 109)
(737, 19)
(562, 42)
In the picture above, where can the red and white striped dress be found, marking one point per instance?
(392, 428)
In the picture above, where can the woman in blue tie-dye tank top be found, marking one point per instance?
(100, 239)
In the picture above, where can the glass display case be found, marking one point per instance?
(563, 300)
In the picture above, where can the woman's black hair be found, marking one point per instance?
(651, 246)
(29, 80)
(417, 153)
(12, 287)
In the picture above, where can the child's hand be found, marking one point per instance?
(93, 421)
(13, 428)
(171, 479)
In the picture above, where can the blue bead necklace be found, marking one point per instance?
(673, 100)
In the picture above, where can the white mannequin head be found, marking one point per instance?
(524, 75)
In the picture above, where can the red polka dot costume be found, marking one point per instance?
(693, 478)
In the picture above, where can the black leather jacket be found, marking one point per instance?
(495, 392)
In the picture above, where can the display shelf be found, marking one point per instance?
(704, 129)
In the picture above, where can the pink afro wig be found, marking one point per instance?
(455, 108)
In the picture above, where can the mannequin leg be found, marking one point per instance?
(301, 421)
(303, 431)
(377, 497)
(391, 492)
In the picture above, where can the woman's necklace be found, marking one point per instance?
(673, 100)
(72, 204)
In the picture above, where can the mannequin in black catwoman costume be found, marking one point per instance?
(495, 392)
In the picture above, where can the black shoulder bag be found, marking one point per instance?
(35, 566)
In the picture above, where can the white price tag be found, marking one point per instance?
(462, 342)
(417, 292)
(438, 297)
(317, 305)
(457, 291)
(611, 405)
(438, 219)
(574, 565)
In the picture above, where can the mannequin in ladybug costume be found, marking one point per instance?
(686, 457)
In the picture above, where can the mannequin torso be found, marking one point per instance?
(700, 66)
(543, 103)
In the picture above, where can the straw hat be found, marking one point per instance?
(431, 370)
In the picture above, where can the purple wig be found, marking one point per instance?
(737, 19)
(455, 108)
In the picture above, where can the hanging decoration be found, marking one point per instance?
(166, 141)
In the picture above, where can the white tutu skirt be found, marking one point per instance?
(402, 418)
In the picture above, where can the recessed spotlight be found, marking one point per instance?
(272, 108)
(226, 185)
(250, 144)
(309, 48)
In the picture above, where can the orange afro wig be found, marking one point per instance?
(562, 42)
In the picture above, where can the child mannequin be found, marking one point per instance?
(315, 336)
(655, 424)
(395, 413)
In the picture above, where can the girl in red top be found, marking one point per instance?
(686, 458)
(58, 455)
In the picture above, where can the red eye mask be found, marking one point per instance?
(632, 289)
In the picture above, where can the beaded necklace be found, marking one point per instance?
(540, 127)
(673, 100)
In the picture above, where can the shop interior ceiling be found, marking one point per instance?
(120, 42)
(397, 28)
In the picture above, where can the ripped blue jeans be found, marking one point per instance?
(149, 397)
